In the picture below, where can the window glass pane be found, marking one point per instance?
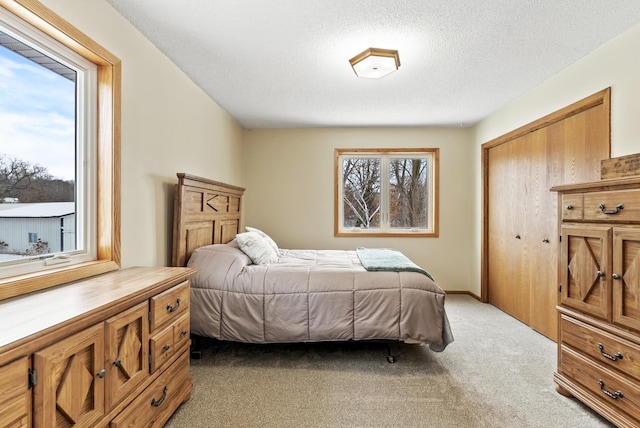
(361, 192)
(408, 193)
(38, 153)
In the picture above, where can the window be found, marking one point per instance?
(386, 192)
(58, 76)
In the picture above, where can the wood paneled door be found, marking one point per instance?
(520, 236)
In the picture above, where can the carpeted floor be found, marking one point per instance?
(497, 373)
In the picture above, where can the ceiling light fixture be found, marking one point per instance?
(375, 63)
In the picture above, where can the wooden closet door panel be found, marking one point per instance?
(500, 236)
(584, 142)
(543, 293)
(509, 250)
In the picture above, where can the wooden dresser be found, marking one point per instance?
(111, 350)
(599, 297)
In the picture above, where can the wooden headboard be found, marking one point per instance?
(205, 212)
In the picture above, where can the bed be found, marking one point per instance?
(243, 292)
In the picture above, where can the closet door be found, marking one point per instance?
(522, 237)
(543, 237)
(509, 243)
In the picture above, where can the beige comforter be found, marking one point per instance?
(312, 296)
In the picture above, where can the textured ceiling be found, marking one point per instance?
(285, 63)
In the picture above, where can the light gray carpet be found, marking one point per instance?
(497, 373)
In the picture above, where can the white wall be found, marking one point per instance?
(290, 192)
(615, 65)
(165, 117)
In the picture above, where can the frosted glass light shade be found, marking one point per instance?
(375, 63)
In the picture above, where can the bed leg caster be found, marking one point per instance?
(391, 358)
(196, 348)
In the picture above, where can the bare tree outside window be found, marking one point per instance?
(383, 192)
(361, 192)
(408, 193)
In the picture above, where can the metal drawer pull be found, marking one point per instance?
(569, 207)
(156, 403)
(614, 395)
(518, 236)
(614, 211)
(117, 362)
(615, 276)
(102, 373)
(173, 308)
(600, 274)
(545, 240)
(166, 347)
(183, 333)
(616, 357)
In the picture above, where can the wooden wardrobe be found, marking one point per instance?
(520, 232)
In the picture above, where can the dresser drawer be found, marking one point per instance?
(14, 393)
(181, 332)
(169, 305)
(160, 399)
(607, 349)
(614, 206)
(161, 347)
(572, 207)
(606, 386)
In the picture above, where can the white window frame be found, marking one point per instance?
(85, 121)
(102, 199)
(432, 156)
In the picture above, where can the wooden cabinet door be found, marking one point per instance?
(626, 278)
(127, 352)
(69, 391)
(586, 269)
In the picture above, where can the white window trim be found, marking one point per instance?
(107, 206)
(86, 123)
(432, 154)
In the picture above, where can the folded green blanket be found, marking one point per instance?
(387, 259)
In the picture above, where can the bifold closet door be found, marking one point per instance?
(509, 252)
(523, 236)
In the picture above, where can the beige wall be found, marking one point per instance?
(290, 192)
(615, 65)
(164, 117)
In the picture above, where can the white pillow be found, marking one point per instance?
(257, 248)
(265, 236)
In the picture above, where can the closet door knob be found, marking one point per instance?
(600, 274)
(615, 276)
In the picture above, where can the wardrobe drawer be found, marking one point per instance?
(603, 347)
(572, 206)
(606, 386)
(160, 399)
(169, 305)
(613, 206)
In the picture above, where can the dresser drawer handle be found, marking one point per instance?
(183, 333)
(156, 403)
(569, 207)
(166, 347)
(613, 211)
(173, 308)
(614, 395)
(616, 357)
